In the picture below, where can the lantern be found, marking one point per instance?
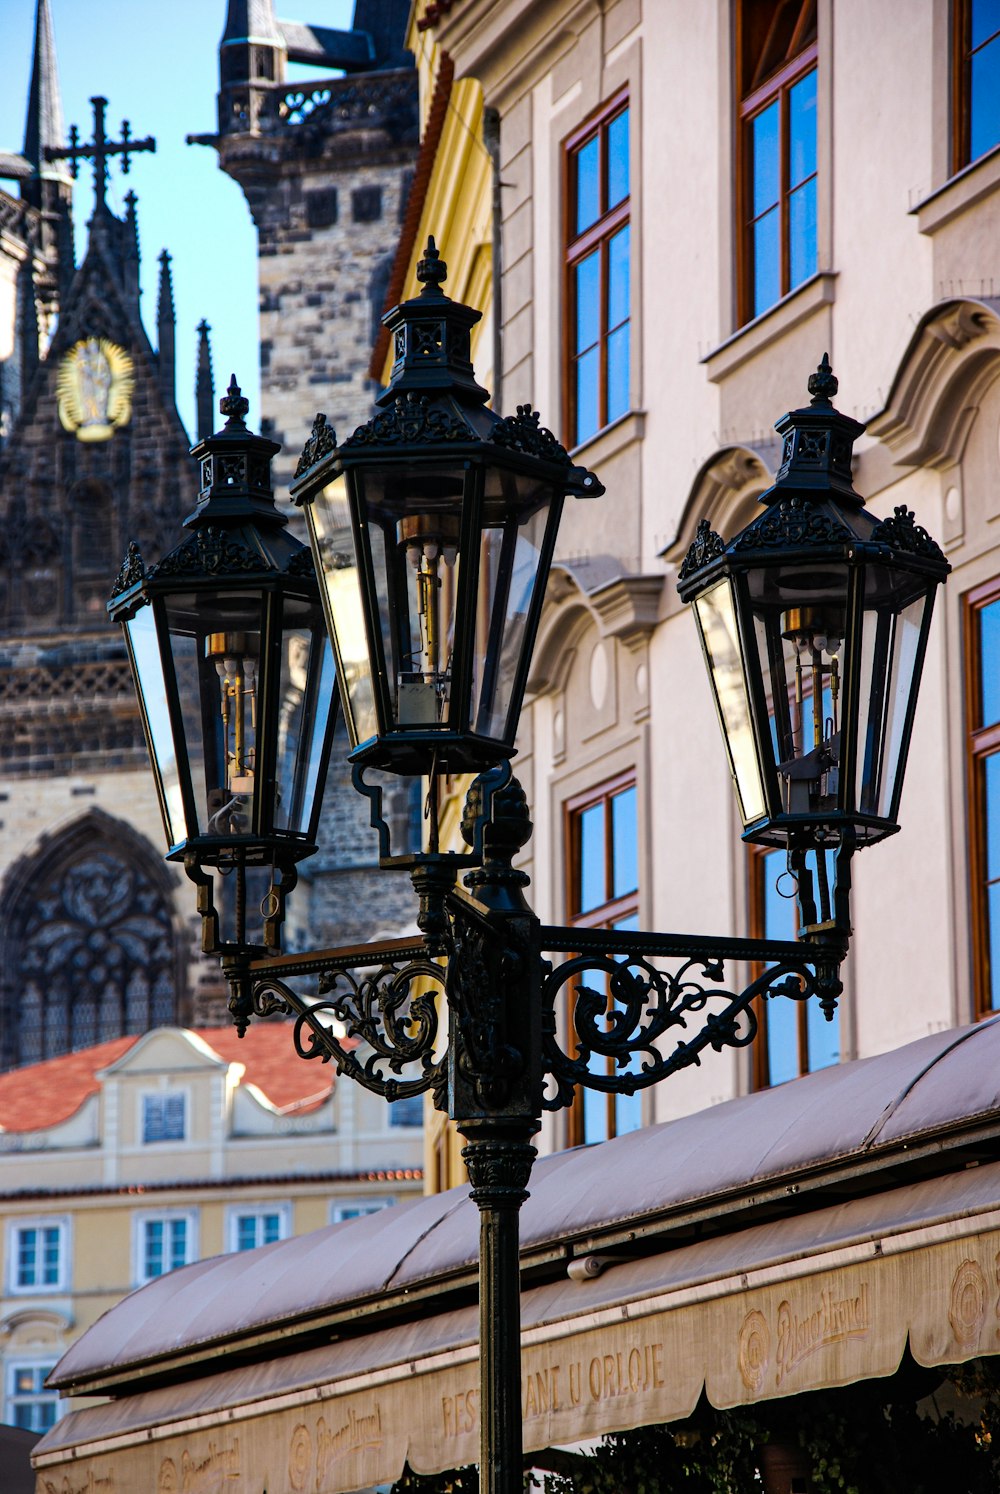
(236, 680)
(814, 624)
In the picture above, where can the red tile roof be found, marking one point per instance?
(43, 1094)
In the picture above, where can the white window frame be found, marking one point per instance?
(162, 1216)
(163, 1095)
(13, 1399)
(236, 1212)
(356, 1208)
(15, 1226)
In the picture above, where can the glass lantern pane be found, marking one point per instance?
(515, 519)
(148, 665)
(800, 618)
(717, 622)
(307, 695)
(414, 517)
(215, 640)
(889, 651)
(332, 539)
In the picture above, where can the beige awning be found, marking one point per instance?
(807, 1301)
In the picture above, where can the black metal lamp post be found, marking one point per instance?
(433, 528)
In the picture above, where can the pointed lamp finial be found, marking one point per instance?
(431, 270)
(823, 384)
(233, 405)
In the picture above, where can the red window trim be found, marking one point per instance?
(777, 86)
(577, 247)
(981, 742)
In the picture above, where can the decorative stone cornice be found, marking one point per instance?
(953, 355)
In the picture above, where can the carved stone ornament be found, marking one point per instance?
(705, 546)
(210, 552)
(794, 521)
(321, 442)
(523, 432)
(901, 532)
(133, 570)
(410, 419)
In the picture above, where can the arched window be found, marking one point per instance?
(89, 947)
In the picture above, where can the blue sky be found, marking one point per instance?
(156, 62)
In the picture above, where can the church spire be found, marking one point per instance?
(44, 125)
(204, 385)
(165, 326)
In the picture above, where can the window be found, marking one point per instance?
(777, 52)
(29, 1404)
(976, 89)
(162, 1242)
(598, 293)
(356, 1208)
(795, 1037)
(407, 1112)
(250, 1227)
(37, 1256)
(88, 943)
(603, 887)
(163, 1117)
(982, 667)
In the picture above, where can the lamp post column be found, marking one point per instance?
(499, 1157)
(495, 1099)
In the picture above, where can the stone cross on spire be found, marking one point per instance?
(99, 151)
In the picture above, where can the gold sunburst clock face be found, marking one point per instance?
(94, 389)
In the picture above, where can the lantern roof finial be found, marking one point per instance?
(431, 337)
(234, 405)
(432, 271)
(823, 384)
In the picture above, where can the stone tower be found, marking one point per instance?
(325, 167)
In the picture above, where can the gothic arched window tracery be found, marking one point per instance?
(90, 948)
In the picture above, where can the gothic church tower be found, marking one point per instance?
(95, 930)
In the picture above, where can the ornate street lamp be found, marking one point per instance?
(237, 685)
(814, 622)
(433, 528)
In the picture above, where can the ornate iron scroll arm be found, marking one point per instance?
(622, 1018)
(369, 1025)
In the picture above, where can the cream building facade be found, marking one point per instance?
(696, 203)
(122, 1162)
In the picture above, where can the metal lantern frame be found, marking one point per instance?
(495, 1015)
(815, 577)
(435, 476)
(238, 562)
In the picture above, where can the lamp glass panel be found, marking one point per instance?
(716, 616)
(148, 664)
(800, 616)
(306, 702)
(413, 513)
(516, 516)
(890, 650)
(215, 639)
(332, 538)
